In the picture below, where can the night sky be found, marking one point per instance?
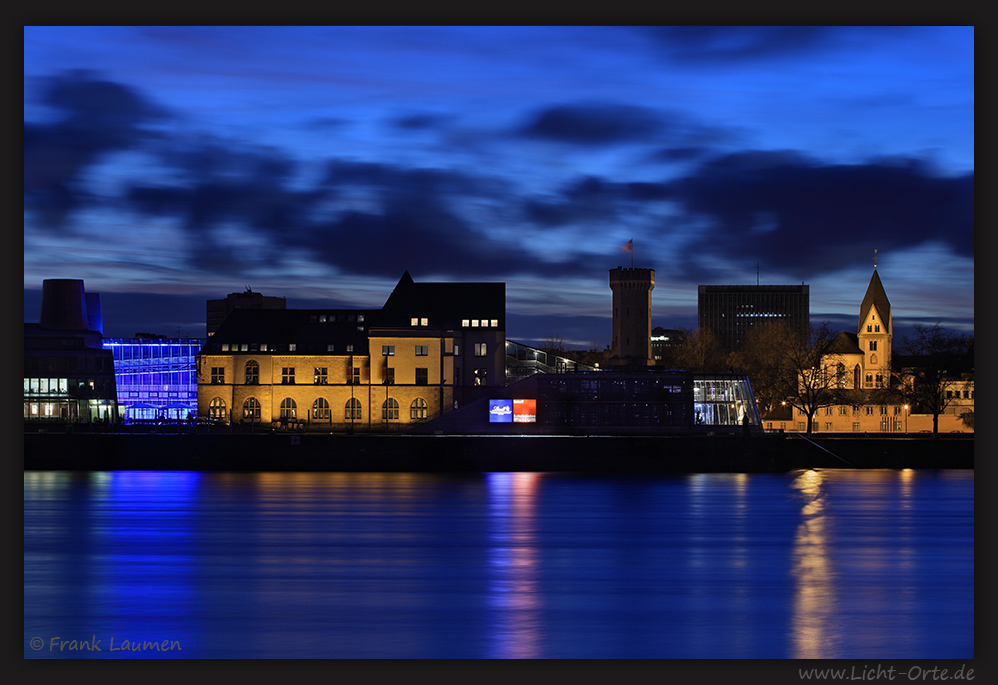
(169, 165)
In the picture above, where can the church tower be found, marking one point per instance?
(875, 334)
(631, 344)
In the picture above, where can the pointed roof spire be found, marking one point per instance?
(875, 297)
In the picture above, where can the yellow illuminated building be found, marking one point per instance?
(431, 348)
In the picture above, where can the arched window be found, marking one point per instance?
(353, 412)
(840, 375)
(289, 410)
(855, 377)
(869, 379)
(320, 409)
(390, 410)
(252, 373)
(216, 409)
(251, 409)
(417, 410)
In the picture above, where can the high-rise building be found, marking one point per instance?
(730, 311)
(631, 344)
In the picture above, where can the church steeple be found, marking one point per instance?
(875, 298)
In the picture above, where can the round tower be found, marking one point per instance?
(631, 288)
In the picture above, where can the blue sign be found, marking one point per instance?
(500, 411)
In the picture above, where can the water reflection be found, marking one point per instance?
(815, 591)
(513, 589)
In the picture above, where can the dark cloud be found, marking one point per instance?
(804, 217)
(419, 122)
(594, 124)
(738, 45)
(93, 117)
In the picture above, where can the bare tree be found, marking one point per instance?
(554, 343)
(700, 352)
(761, 357)
(812, 377)
(935, 362)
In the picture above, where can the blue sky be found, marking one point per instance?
(170, 165)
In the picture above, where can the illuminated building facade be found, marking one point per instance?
(730, 311)
(430, 348)
(155, 377)
(68, 375)
(860, 365)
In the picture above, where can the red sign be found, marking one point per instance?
(524, 411)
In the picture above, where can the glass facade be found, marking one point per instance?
(156, 378)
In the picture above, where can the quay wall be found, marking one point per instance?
(768, 453)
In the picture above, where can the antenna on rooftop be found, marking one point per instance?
(757, 273)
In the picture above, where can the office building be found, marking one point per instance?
(730, 311)
(217, 310)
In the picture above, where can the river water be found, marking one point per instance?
(809, 564)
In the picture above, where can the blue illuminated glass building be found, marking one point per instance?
(156, 377)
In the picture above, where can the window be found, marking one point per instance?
(288, 375)
(869, 328)
(480, 349)
(855, 427)
(320, 376)
(356, 375)
(843, 410)
(349, 348)
(217, 375)
(418, 409)
(422, 350)
(289, 410)
(390, 410)
(828, 426)
(465, 323)
(424, 321)
(481, 376)
(422, 376)
(828, 411)
(457, 350)
(873, 346)
(216, 409)
(353, 412)
(877, 328)
(387, 350)
(883, 411)
(330, 347)
(320, 409)
(251, 409)
(869, 410)
(389, 377)
(801, 426)
(252, 373)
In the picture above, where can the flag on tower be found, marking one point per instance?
(629, 245)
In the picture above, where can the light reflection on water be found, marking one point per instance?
(813, 564)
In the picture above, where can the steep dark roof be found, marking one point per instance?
(445, 304)
(844, 343)
(875, 296)
(276, 327)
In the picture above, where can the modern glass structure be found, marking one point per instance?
(523, 360)
(156, 377)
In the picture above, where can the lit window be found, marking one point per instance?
(465, 323)
(424, 321)
(387, 350)
(494, 323)
(418, 409)
(217, 375)
(289, 410)
(320, 409)
(320, 376)
(414, 321)
(251, 409)
(422, 350)
(474, 323)
(480, 349)
(292, 347)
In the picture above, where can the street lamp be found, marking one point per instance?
(906, 412)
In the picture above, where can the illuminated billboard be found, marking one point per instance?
(524, 411)
(500, 411)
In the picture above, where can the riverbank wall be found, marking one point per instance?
(767, 453)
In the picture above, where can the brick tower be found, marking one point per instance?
(631, 316)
